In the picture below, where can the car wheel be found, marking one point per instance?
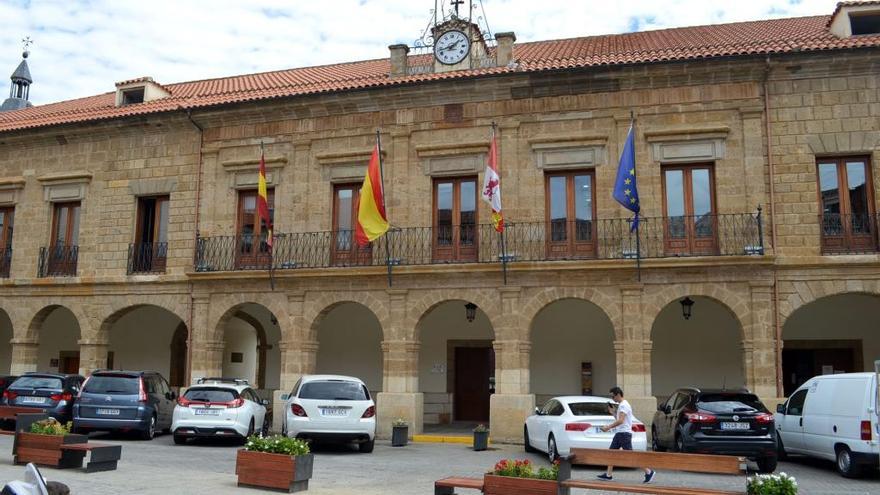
(267, 424)
(780, 449)
(655, 441)
(150, 431)
(526, 444)
(250, 432)
(366, 447)
(179, 440)
(767, 465)
(679, 443)
(846, 466)
(552, 453)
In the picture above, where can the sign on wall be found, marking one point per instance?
(587, 378)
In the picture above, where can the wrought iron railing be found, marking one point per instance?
(849, 234)
(659, 237)
(147, 257)
(58, 261)
(5, 261)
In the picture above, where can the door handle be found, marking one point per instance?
(801, 422)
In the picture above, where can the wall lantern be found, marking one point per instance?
(470, 311)
(686, 306)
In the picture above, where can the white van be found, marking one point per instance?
(833, 417)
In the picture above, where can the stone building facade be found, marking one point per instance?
(571, 314)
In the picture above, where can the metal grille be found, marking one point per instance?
(147, 257)
(849, 234)
(58, 261)
(5, 262)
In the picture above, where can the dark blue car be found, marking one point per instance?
(139, 401)
(54, 393)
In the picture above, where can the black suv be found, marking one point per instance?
(53, 393)
(138, 401)
(716, 422)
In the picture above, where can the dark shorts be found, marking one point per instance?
(622, 440)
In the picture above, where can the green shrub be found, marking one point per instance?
(51, 426)
(524, 469)
(772, 484)
(399, 422)
(277, 444)
(481, 428)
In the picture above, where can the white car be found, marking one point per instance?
(331, 408)
(219, 407)
(570, 422)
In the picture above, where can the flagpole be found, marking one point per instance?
(501, 234)
(382, 181)
(271, 241)
(632, 123)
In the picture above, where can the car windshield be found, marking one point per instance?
(37, 382)
(112, 384)
(210, 395)
(589, 408)
(333, 390)
(730, 403)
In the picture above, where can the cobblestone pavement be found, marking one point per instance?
(162, 468)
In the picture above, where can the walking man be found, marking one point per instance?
(622, 428)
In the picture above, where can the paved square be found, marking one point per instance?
(159, 467)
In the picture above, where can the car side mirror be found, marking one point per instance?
(170, 395)
(661, 408)
(780, 408)
(538, 411)
(667, 409)
(264, 402)
(285, 396)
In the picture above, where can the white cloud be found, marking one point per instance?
(82, 47)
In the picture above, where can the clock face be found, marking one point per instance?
(452, 47)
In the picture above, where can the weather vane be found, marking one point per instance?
(456, 4)
(25, 43)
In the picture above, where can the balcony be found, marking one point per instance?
(849, 234)
(660, 237)
(58, 261)
(5, 262)
(147, 258)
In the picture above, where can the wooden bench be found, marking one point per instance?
(102, 456)
(447, 486)
(661, 461)
(12, 412)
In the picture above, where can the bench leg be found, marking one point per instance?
(104, 458)
(443, 490)
(94, 467)
(564, 475)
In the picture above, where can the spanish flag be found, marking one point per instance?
(263, 199)
(372, 222)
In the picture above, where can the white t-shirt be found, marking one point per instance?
(624, 412)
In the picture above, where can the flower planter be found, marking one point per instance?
(481, 440)
(399, 436)
(506, 485)
(45, 450)
(278, 471)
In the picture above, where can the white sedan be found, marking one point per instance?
(331, 408)
(570, 422)
(217, 408)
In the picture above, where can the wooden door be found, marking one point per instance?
(474, 367)
(455, 230)
(7, 224)
(570, 215)
(847, 205)
(64, 248)
(69, 362)
(344, 249)
(252, 251)
(690, 224)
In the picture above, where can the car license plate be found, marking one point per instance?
(334, 412)
(32, 400)
(207, 412)
(735, 426)
(108, 412)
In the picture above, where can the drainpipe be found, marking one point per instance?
(189, 324)
(772, 172)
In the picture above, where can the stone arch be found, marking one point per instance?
(234, 302)
(803, 293)
(268, 335)
(540, 300)
(6, 335)
(121, 309)
(318, 308)
(735, 303)
(39, 318)
(262, 343)
(488, 301)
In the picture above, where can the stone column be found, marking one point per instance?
(298, 358)
(92, 355)
(633, 356)
(759, 344)
(198, 338)
(511, 403)
(400, 397)
(24, 356)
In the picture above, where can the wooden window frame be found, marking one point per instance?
(6, 239)
(62, 258)
(847, 242)
(355, 255)
(456, 251)
(251, 255)
(571, 247)
(690, 243)
(150, 256)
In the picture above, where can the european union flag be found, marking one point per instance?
(626, 192)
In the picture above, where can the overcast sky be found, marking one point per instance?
(82, 47)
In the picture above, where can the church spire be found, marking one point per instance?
(19, 92)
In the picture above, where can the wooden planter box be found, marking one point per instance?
(505, 485)
(280, 472)
(45, 450)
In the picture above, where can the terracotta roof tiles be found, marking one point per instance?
(775, 36)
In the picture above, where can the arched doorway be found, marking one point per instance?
(572, 351)
(57, 332)
(251, 335)
(456, 363)
(834, 334)
(147, 337)
(6, 335)
(350, 343)
(703, 350)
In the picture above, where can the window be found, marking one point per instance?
(253, 253)
(345, 249)
(133, 96)
(681, 400)
(150, 248)
(7, 221)
(795, 405)
(866, 23)
(64, 245)
(846, 202)
(571, 210)
(689, 205)
(455, 219)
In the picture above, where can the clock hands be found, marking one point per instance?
(450, 46)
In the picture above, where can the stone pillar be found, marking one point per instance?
(400, 397)
(24, 356)
(197, 351)
(92, 355)
(213, 358)
(511, 403)
(399, 60)
(633, 356)
(504, 51)
(759, 344)
(298, 358)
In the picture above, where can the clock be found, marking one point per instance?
(452, 47)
